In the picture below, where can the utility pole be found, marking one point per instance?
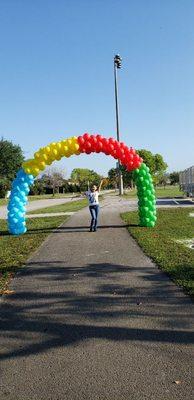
(117, 65)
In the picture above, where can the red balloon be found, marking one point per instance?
(132, 150)
(97, 143)
(99, 146)
(127, 154)
(112, 141)
(117, 144)
(111, 148)
(94, 143)
(121, 152)
(81, 140)
(88, 146)
(99, 137)
(136, 161)
(118, 154)
(94, 140)
(105, 146)
(123, 160)
(123, 145)
(86, 136)
(129, 166)
(105, 142)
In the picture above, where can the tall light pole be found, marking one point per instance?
(117, 65)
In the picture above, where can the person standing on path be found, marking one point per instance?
(94, 207)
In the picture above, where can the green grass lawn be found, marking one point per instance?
(160, 244)
(44, 197)
(170, 191)
(70, 206)
(15, 250)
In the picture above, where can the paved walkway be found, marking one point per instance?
(91, 317)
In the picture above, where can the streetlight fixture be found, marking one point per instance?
(117, 65)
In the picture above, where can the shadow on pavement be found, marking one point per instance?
(60, 229)
(63, 310)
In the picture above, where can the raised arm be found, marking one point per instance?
(99, 187)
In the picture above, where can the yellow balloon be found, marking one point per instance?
(74, 138)
(49, 161)
(27, 163)
(41, 165)
(59, 146)
(76, 147)
(37, 155)
(47, 149)
(69, 141)
(55, 152)
(44, 157)
(35, 171)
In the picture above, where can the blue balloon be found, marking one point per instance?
(17, 201)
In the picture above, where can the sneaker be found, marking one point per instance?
(90, 230)
(95, 229)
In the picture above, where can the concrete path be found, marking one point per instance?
(91, 317)
(38, 204)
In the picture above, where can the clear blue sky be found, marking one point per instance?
(56, 75)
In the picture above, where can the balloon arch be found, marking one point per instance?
(77, 145)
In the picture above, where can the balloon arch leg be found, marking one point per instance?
(75, 146)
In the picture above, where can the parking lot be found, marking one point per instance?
(166, 202)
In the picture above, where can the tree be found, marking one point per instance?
(163, 179)
(11, 159)
(53, 178)
(84, 176)
(154, 161)
(5, 185)
(127, 177)
(148, 159)
(113, 176)
(160, 164)
(38, 187)
(174, 178)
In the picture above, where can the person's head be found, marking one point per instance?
(93, 188)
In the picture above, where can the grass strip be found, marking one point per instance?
(160, 244)
(67, 207)
(45, 197)
(15, 250)
(168, 192)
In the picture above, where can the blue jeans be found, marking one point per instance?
(94, 210)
